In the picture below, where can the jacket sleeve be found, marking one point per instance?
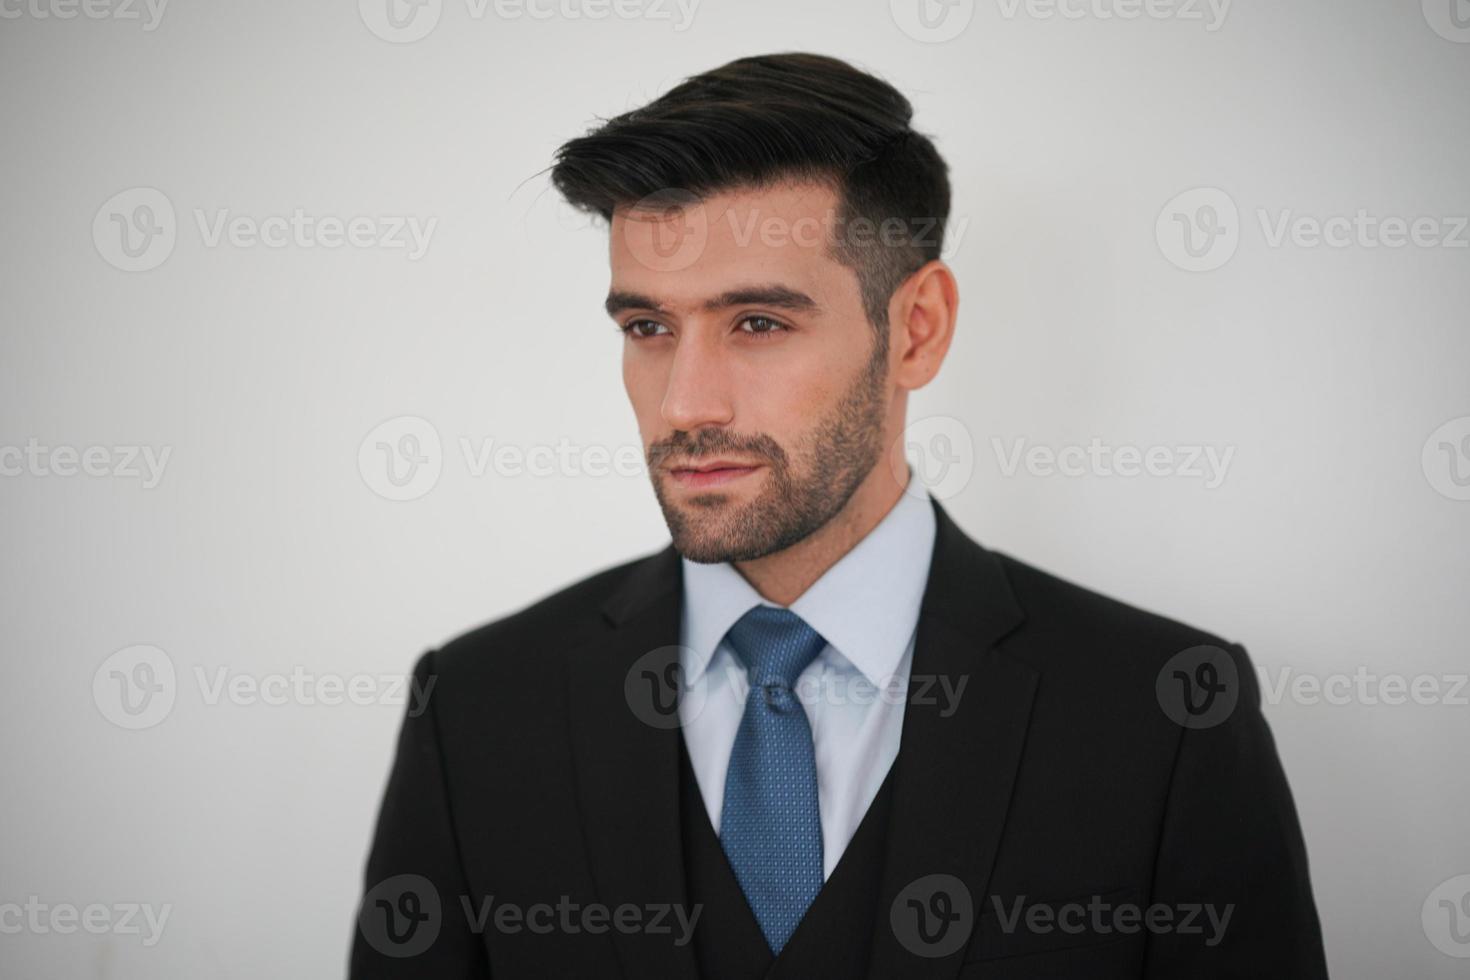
(1231, 845)
(412, 921)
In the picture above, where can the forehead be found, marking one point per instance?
(685, 249)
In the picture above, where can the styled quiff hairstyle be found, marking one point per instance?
(763, 120)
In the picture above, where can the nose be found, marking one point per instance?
(698, 391)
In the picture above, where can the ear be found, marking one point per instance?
(921, 319)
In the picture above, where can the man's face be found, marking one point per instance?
(758, 383)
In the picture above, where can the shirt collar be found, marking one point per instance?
(866, 605)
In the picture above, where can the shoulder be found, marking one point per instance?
(524, 639)
(1075, 631)
(1048, 598)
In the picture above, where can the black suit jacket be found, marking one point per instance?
(1063, 817)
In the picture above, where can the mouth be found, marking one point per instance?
(710, 473)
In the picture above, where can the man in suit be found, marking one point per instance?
(823, 733)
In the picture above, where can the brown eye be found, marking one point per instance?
(644, 328)
(761, 325)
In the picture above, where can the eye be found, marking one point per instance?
(762, 326)
(639, 329)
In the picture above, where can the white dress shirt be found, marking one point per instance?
(866, 607)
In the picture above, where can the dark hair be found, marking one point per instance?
(761, 120)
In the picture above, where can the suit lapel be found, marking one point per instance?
(957, 760)
(625, 742)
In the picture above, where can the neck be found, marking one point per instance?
(782, 577)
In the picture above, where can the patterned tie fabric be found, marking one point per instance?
(770, 825)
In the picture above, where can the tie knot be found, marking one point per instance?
(775, 645)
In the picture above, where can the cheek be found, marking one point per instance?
(785, 398)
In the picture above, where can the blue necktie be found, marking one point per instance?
(770, 824)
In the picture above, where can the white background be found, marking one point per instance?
(1329, 547)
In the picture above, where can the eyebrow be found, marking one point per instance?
(781, 297)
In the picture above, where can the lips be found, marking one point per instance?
(711, 472)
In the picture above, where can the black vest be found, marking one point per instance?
(833, 937)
